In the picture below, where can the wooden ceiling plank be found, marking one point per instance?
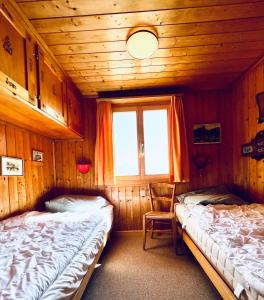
(166, 17)
(163, 68)
(164, 31)
(160, 74)
(62, 8)
(194, 35)
(161, 53)
(164, 43)
(119, 85)
(182, 60)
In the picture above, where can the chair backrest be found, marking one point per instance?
(161, 192)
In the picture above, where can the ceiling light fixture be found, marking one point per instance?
(142, 44)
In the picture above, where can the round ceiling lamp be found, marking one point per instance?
(142, 44)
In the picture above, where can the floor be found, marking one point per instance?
(127, 272)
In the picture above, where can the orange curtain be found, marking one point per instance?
(104, 157)
(178, 148)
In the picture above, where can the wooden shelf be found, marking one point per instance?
(16, 110)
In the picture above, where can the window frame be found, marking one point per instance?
(142, 178)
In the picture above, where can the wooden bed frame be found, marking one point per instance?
(224, 289)
(79, 292)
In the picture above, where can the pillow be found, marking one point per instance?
(221, 189)
(213, 195)
(228, 199)
(75, 203)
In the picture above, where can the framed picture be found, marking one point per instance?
(37, 156)
(11, 166)
(207, 133)
(260, 102)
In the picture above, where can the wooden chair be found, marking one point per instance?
(161, 195)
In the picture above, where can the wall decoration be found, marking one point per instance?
(260, 102)
(247, 149)
(11, 166)
(207, 133)
(254, 149)
(37, 156)
(200, 161)
(84, 167)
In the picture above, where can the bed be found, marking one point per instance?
(51, 255)
(228, 242)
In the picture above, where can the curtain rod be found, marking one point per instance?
(110, 99)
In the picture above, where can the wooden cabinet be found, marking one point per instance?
(75, 109)
(32, 75)
(52, 89)
(33, 88)
(12, 57)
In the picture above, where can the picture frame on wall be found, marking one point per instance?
(207, 133)
(260, 102)
(37, 156)
(12, 166)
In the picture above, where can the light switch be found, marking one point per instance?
(142, 193)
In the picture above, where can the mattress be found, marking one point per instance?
(46, 255)
(232, 239)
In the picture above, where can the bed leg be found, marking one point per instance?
(174, 233)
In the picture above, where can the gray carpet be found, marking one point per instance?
(128, 273)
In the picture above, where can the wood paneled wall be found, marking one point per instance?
(129, 202)
(22, 193)
(248, 173)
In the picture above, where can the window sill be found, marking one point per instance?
(137, 180)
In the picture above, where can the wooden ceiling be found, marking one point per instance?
(202, 43)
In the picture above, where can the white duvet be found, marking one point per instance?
(45, 255)
(239, 232)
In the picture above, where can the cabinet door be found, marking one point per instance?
(52, 95)
(75, 110)
(12, 58)
(31, 49)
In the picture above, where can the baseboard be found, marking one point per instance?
(119, 232)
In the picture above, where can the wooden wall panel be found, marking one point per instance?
(129, 202)
(18, 194)
(67, 153)
(248, 173)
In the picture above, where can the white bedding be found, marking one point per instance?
(238, 232)
(45, 255)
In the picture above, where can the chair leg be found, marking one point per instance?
(144, 233)
(153, 228)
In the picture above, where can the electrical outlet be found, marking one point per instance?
(142, 193)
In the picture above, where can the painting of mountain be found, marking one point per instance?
(207, 133)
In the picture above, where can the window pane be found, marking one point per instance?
(156, 142)
(125, 143)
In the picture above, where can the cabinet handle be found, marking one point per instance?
(7, 45)
(54, 90)
(30, 64)
(10, 83)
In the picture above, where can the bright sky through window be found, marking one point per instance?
(125, 143)
(156, 142)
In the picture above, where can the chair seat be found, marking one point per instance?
(160, 215)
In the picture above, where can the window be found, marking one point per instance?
(155, 142)
(125, 143)
(141, 142)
